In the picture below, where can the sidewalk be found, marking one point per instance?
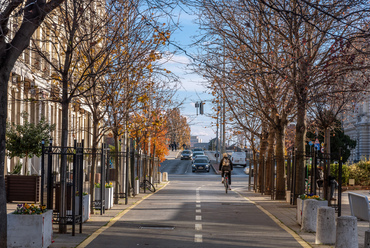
(286, 214)
(173, 154)
(95, 222)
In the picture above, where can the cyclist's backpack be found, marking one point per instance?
(226, 164)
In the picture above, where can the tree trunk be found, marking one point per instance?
(118, 170)
(261, 162)
(269, 162)
(63, 162)
(4, 78)
(93, 165)
(326, 168)
(280, 163)
(300, 143)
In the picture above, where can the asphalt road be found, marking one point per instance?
(194, 211)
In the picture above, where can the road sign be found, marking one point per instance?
(310, 143)
(317, 144)
(322, 150)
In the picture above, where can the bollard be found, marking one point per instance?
(367, 239)
(309, 215)
(325, 226)
(346, 234)
(165, 176)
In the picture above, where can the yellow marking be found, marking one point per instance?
(301, 241)
(93, 236)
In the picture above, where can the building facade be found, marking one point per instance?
(356, 124)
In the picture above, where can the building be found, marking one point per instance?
(356, 124)
(32, 89)
(194, 140)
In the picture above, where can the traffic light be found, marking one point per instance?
(201, 108)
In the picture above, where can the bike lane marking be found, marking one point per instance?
(198, 238)
(298, 238)
(112, 221)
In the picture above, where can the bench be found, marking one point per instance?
(359, 205)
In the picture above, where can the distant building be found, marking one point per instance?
(356, 124)
(194, 140)
(204, 146)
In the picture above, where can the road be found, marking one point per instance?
(194, 211)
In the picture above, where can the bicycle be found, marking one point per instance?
(147, 185)
(226, 181)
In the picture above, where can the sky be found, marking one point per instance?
(192, 85)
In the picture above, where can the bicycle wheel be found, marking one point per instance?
(149, 186)
(226, 184)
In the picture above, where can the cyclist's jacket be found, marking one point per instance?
(225, 164)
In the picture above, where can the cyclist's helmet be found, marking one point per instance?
(225, 155)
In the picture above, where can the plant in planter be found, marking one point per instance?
(24, 141)
(108, 194)
(30, 226)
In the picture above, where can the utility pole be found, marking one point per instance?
(223, 103)
(217, 153)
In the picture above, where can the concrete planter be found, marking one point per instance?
(287, 196)
(300, 204)
(137, 187)
(108, 197)
(30, 230)
(85, 207)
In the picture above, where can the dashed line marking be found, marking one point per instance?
(198, 210)
(198, 227)
(198, 206)
(198, 217)
(197, 201)
(198, 238)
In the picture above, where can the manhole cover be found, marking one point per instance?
(158, 227)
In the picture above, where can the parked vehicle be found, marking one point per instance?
(239, 158)
(186, 154)
(201, 164)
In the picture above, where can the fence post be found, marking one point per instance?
(81, 156)
(74, 172)
(50, 177)
(42, 171)
(293, 194)
(340, 183)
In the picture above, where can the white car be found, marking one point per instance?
(239, 158)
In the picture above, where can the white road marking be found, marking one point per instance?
(198, 238)
(198, 206)
(198, 227)
(198, 217)
(198, 210)
(197, 201)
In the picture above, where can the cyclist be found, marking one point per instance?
(225, 165)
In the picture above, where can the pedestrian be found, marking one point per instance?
(225, 165)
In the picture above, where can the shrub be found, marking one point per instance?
(360, 172)
(334, 169)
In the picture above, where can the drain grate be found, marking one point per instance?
(157, 227)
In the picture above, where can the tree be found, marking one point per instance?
(11, 47)
(338, 140)
(24, 141)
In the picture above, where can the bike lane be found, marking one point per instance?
(193, 212)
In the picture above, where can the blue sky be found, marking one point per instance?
(192, 88)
